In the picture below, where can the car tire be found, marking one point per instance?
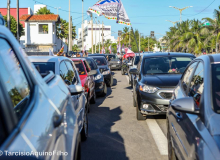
(104, 92)
(111, 82)
(77, 153)
(122, 72)
(171, 152)
(93, 99)
(140, 117)
(84, 132)
(134, 103)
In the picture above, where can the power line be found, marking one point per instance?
(202, 10)
(55, 7)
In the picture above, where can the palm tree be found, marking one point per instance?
(215, 26)
(125, 36)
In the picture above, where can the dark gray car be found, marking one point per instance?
(194, 113)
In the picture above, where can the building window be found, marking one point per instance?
(43, 28)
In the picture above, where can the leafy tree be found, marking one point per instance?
(75, 48)
(13, 26)
(44, 10)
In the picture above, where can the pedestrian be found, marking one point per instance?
(81, 54)
(78, 55)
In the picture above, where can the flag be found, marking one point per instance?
(110, 49)
(61, 51)
(112, 10)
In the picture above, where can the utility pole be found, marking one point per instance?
(130, 38)
(95, 32)
(70, 35)
(148, 44)
(82, 28)
(181, 10)
(18, 37)
(139, 41)
(102, 35)
(99, 37)
(8, 14)
(92, 32)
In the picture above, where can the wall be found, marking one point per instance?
(33, 36)
(13, 12)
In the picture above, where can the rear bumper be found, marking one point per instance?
(116, 66)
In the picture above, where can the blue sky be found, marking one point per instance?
(145, 15)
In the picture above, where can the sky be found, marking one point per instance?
(145, 15)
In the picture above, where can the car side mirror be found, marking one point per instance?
(186, 105)
(133, 71)
(75, 89)
(92, 72)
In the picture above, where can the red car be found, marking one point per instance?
(87, 80)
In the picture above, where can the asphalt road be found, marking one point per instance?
(115, 133)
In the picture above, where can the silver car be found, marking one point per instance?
(194, 112)
(37, 115)
(66, 69)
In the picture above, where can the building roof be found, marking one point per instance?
(40, 18)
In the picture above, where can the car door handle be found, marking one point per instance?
(57, 120)
(179, 115)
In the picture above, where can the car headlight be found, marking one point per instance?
(106, 72)
(99, 76)
(148, 89)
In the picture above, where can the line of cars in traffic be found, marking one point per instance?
(185, 89)
(45, 100)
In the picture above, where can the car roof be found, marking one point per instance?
(77, 59)
(47, 58)
(213, 58)
(97, 55)
(170, 54)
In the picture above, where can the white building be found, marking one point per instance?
(97, 35)
(40, 33)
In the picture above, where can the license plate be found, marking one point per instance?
(113, 65)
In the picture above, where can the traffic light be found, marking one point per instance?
(152, 33)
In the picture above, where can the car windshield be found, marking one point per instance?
(92, 64)
(110, 57)
(216, 87)
(100, 61)
(165, 65)
(80, 67)
(44, 67)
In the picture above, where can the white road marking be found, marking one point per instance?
(159, 137)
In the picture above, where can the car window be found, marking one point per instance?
(87, 66)
(92, 64)
(216, 87)
(137, 58)
(71, 75)
(100, 61)
(80, 67)
(63, 70)
(187, 75)
(44, 67)
(14, 79)
(197, 84)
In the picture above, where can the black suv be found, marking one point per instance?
(155, 78)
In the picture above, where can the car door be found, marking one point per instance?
(185, 124)
(34, 112)
(80, 97)
(136, 79)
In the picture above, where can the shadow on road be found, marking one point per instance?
(102, 143)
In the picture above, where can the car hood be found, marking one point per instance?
(163, 81)
(83, 79)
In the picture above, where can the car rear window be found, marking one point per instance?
(44, 67)
(92, 64)
(100, 61)
(80, 67)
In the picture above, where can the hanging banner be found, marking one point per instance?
(112, 10)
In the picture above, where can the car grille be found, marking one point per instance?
(166, 95)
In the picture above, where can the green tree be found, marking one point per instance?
(43, 10)
(75, 48)
(13, 26)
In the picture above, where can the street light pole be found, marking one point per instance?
(82, 27)
(57, 9)
(92, 32)
(95, 32)
(102, 34)
(148, 44)
(181, 10)
(99, 37)
(18, 37)
(173, 22)
(139, 41)
(70, 31)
